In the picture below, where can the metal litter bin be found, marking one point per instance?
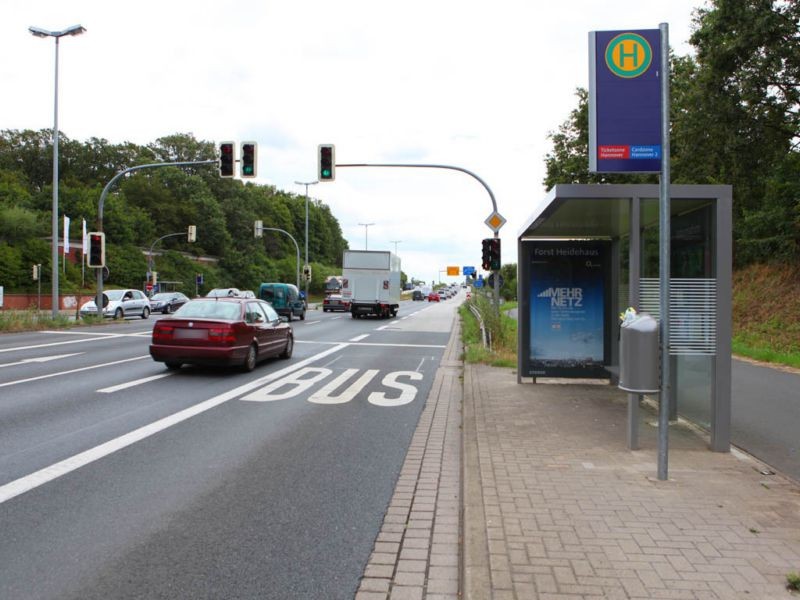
(639, 365)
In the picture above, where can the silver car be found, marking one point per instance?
(119, 304)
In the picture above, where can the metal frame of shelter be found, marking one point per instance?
(625, 218)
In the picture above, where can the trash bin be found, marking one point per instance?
(639, 365)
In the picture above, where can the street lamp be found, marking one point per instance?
(365, 226)
(43, 33)
(395, 242)
(306, 183)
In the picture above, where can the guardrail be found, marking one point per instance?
(486, 336)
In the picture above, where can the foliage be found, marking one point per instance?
(735, 119)
(150, 204)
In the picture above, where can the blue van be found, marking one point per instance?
(284, 298)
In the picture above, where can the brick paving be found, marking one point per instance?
(541, 499)
(569, 512)
(416, 553)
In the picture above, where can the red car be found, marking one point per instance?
(335, 302)
(433, 297)
(221, 331)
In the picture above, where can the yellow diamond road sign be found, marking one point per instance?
(495, 221)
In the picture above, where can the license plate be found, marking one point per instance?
(190, 334)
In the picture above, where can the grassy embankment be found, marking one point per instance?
(766, 313)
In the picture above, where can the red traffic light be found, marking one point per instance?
(227, 159)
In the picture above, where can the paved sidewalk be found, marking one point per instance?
(570, 512)
(554, 506)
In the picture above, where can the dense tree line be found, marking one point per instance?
(735, 119)
(149, 204)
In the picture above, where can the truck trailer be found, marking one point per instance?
(371, 282)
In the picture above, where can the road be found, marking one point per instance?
(121, 479)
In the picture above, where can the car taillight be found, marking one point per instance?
(163, 333)
(221, 335)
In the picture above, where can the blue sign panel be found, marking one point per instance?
(467, 270)
(478, 283)
(568, 309)
(625, 101)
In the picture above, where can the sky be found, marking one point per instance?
(473, 84)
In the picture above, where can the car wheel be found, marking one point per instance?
(250, 360)
(287, 352)
(354, 315)
(303, 316)
(291, 315)
(119, 314)
(168, 309)
(173, 366)
(145, 312)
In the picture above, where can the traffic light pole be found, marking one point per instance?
(99, 297)
(450, 168)
(150, 253)
(297, 248)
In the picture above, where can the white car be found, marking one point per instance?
(120, 304)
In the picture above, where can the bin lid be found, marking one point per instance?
(642, 322)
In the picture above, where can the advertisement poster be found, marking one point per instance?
(568, 308)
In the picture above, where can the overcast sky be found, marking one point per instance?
(474, 84)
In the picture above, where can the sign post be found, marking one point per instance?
(629, 133)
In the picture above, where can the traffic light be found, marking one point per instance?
(307, 272)
(35, 272)
(191, 235)
(327, 162)
(485, 256)
(494, 254)
(258, 228)
(248, 159)
(227, 158)
(96, 258)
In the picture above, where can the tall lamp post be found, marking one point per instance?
(395, 242)
(43, 33)
(365, 226)
(306, 183)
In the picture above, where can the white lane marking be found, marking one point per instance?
(93, 339)
(54, 471)
(312, 322)
(358, 338)
(328, 364)
(39, 359)
(407, 392)
(334, 318)
(400, 345)
(325, 395)
(89, 368)
(108, 335)
(419, 366)
(387, 325)
(352, 343)
(130, 384)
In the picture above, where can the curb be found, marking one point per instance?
(475, 575)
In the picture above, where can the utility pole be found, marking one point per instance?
(306, 183)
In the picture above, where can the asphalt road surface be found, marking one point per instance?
(120, 479)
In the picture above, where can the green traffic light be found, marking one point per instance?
(326, 173)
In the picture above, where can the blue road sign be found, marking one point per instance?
(467, 270)
(625, 101)
(477, 283)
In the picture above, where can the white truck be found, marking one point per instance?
(371, 283)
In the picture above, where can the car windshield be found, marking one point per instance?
(209, 309)
(114, 294)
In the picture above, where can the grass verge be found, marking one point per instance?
(31, 320)
(504, 334)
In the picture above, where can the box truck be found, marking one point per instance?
(371, 282)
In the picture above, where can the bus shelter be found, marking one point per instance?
(589, 252)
